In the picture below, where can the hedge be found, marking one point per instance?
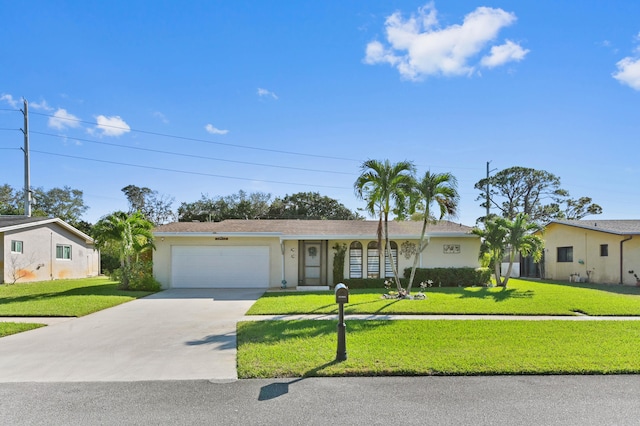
(451, 277)
(441, 277)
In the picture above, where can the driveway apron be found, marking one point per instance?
(177, 334)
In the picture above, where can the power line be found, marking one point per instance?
(191, 155)
(187, 172)
(146, 132)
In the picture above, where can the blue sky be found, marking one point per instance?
(213, 97)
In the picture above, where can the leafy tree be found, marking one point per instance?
(380, 184)
(155, 207)
(434, 190)
(310, 205)
(502, 236)
(9, 201)
(128, 235)
(536, 193)
(236, 206)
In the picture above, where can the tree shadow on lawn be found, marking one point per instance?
(609, 288)
(272, 332)
(97, 290)
(497, 296)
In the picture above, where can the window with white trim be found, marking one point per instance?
(388, 271)
(63, 252)
(16, 246)
(373, 260)
(355, 260)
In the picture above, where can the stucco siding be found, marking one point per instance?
(586, 245)
(38, 261)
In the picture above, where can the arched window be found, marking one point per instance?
(388, 271)
(373, 260)
(355, 260)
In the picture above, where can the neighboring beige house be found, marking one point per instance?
(40, 249)
(600, 251)
(297, 253)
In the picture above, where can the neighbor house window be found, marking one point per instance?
(16, 246)
(373, 260)
(63, 252)
(565, 254)
(355, 260)
(604, 250)
(388, 271)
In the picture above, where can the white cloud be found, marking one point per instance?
(628, 72)
(268, 93)
(161, 116)
(418, 47)
(500, 55)
(111, 126)
(62, 119)
(41, 105)
(9, 99)
(214, 131)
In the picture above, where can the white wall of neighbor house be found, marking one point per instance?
(593, 251)
(38, 261)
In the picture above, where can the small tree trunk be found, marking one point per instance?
(421, 247)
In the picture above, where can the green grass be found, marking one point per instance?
(7, 328)
(520, 298)
(308, 348)
(62, 298)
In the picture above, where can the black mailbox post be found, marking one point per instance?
(342, 297)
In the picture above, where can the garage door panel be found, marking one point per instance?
(219, 267)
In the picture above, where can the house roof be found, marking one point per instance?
(310, 229)
(618, 227)
(11, 223)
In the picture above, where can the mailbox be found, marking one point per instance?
(342, 293)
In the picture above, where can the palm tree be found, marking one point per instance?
(493, 243)
(503, 235)
(521, 239)
(128, 235)
(380, 183)
(437, 190)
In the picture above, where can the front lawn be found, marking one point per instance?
(520, 298)
(62, 298)
(308, 348)
(7, 328)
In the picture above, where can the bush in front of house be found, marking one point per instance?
(451, 277)
(140, 277)
(368, 282)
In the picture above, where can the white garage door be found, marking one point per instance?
(219, 267)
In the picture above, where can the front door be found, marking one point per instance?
(312, 263)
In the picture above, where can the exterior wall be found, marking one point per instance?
(586, 255)
(289, 262)
(38, 260)
(438, 254)
(162, 254)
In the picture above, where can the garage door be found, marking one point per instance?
(219, 267)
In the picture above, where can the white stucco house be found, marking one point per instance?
(41, 248)
(297, 253)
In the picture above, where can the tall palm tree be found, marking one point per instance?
(128, 235)
(380, 184)
(434, 193)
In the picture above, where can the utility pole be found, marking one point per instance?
(27, 168)
(488, 195)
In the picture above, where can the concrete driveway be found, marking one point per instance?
(178, 334)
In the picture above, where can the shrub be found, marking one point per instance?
(140, 277)
(369, 282)
(451, 277)
(338, 262)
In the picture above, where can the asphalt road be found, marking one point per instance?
(504, 400)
